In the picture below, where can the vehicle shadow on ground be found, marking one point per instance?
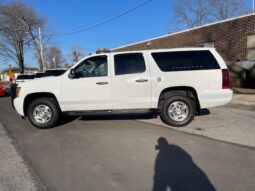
(204, 112)
(175, 169)
(66, 119)
(119, 117)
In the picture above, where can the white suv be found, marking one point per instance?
(176, 83)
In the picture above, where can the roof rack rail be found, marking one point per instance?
(102, 50)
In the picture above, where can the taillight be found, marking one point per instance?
(225, 79)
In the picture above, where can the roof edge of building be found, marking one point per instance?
(186, 30)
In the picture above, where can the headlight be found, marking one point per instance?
(18, 91)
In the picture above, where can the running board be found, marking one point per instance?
(112, 112)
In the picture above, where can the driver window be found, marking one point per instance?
(92, 67)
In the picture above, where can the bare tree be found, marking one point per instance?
(76, 54)
(54, 57)
(224, 9)
(18, 23)
(192, 13)
(12, 35)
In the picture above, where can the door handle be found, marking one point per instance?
(102, 83)
(142, 80)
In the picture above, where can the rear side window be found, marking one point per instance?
(129, 64)
(186, 60)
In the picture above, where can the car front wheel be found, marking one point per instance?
(43, 113)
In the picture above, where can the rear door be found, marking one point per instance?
(130, 83)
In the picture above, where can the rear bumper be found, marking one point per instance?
(215, 98)
(18, 105)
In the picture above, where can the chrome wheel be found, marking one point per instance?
(42, 114)
(178, 111)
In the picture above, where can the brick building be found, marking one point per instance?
(234, 39)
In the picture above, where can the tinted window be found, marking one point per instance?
(92, 67)
(186, 60)
(129, 64)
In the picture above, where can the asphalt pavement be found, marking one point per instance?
(124, 154)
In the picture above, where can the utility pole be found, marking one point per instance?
(39, 50)
(41, 47)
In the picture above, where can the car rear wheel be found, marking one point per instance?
(43, 113)
(178, 110)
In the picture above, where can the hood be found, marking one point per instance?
(47, 84)
(44, 80)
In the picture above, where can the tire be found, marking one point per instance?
(172, 114)
(43, 113)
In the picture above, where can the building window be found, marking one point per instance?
(251, 47)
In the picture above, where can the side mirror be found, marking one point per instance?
(71, 74)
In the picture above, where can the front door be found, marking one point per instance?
(88, 88)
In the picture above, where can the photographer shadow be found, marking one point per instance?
(175, 169)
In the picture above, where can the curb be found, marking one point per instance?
(198, 135)
(246, 103)
(39, 183)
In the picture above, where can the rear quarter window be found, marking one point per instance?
(185, 61)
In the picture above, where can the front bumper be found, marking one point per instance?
(18, 105)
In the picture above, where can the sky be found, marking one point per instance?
(65, 16)
(148, 21)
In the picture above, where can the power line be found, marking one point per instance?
(107, 16)
(106, 21)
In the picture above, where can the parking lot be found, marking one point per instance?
(125, 154)
(232, 123)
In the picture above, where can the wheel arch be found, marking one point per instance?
(180, 90)
(30, 97)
